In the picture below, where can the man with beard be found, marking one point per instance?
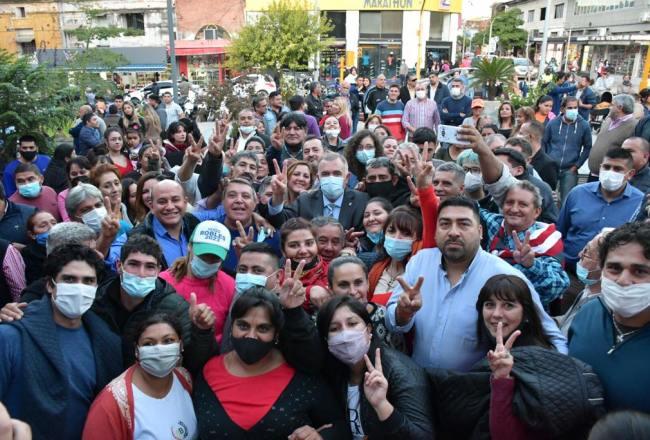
(442, 307)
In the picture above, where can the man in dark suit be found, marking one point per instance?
(436, 90)
(333, 199)
(407, 91)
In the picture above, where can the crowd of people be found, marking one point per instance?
(325, 268)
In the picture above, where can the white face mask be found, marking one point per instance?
(93, 219)
(159, 360)
(334, 132)
(473, 182)
(73, 300)
(247, 129)
(455, 92)
(626, 301)
(611, 180)
(372, 127)
(421, 94)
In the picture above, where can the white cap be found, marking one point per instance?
(211, 237)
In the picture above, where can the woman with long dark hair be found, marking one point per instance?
(543, 109)
(118, 152)
(384, 393)
(506, 118)
(502, 396)
(361, 148)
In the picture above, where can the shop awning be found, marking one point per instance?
(200, 47)
(139, 59)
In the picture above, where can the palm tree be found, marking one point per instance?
(490, 73)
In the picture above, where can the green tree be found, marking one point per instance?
(491, 73)
(507, 26)
(286, 35)
(34, 100)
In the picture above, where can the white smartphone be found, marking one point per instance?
(449, 134)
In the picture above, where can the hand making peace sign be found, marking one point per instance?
(292, 292)
(523, 253)
(279, 183)
(410, 301)
(500, 359)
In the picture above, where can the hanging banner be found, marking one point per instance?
(605, 3)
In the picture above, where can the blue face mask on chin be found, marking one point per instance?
(375, 237)
(42, 238)
(582, 273)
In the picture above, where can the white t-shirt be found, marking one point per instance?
(174, 112)
(171, 417)
(354, 408)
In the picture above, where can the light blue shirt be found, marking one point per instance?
(172, 248)
(274, 210)
(445, 326)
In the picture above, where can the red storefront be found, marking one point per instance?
(202, 61)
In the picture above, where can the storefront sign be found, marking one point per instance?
(365, 5)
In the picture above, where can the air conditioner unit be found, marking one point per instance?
(645, 17)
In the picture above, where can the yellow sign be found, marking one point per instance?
(371, 5)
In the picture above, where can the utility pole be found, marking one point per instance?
(172, 49)
(542, 59)
(568, 45)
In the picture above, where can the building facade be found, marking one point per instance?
(26, 27)
(376, 35)
(584, 33)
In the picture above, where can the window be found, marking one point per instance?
(531, 16)
(383, 24)
(20, 12)
(559, 10)
(542, 14)
(338, 21)
(436, 25)
(28, 48)
(134, 21)
(212, 32)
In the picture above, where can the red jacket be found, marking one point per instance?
(112, 414)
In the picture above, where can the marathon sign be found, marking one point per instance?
(388, 4)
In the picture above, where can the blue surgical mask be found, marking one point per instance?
(332, 187)
(364, 156)
(30, 190)
(225, 170)
(571, 114)
(244, 281)
(582, 273)
(137, 287)
(375, 237)
(42, 238)
(397, 248)
(201, 269)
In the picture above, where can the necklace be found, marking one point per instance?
(620, 335)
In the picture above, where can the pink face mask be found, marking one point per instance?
(349, 346)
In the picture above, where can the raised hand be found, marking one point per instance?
(244, 238)
(231, 151)
(292, 292)
(279, 183)
(523, 253)
(472, 135)
(276, 140)
(111, 222)
(263, 224)
(423, 169)
(398, 161)
(352, 238)
(414, 199)
(201, 315)
(410, 301)
(218, 139)
(500, 359)
(375, 385)
(193, 153)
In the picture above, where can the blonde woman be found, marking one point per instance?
(131, 119)
(152, 122)
(341, 110)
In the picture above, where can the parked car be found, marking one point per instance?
(524, 67)
(260, 83)
(137, 96)
(466, 71)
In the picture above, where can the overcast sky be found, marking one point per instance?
(477, 8)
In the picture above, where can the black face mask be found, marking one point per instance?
(28, 155)
(251, 350)
(79, 179)
(380, 189)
